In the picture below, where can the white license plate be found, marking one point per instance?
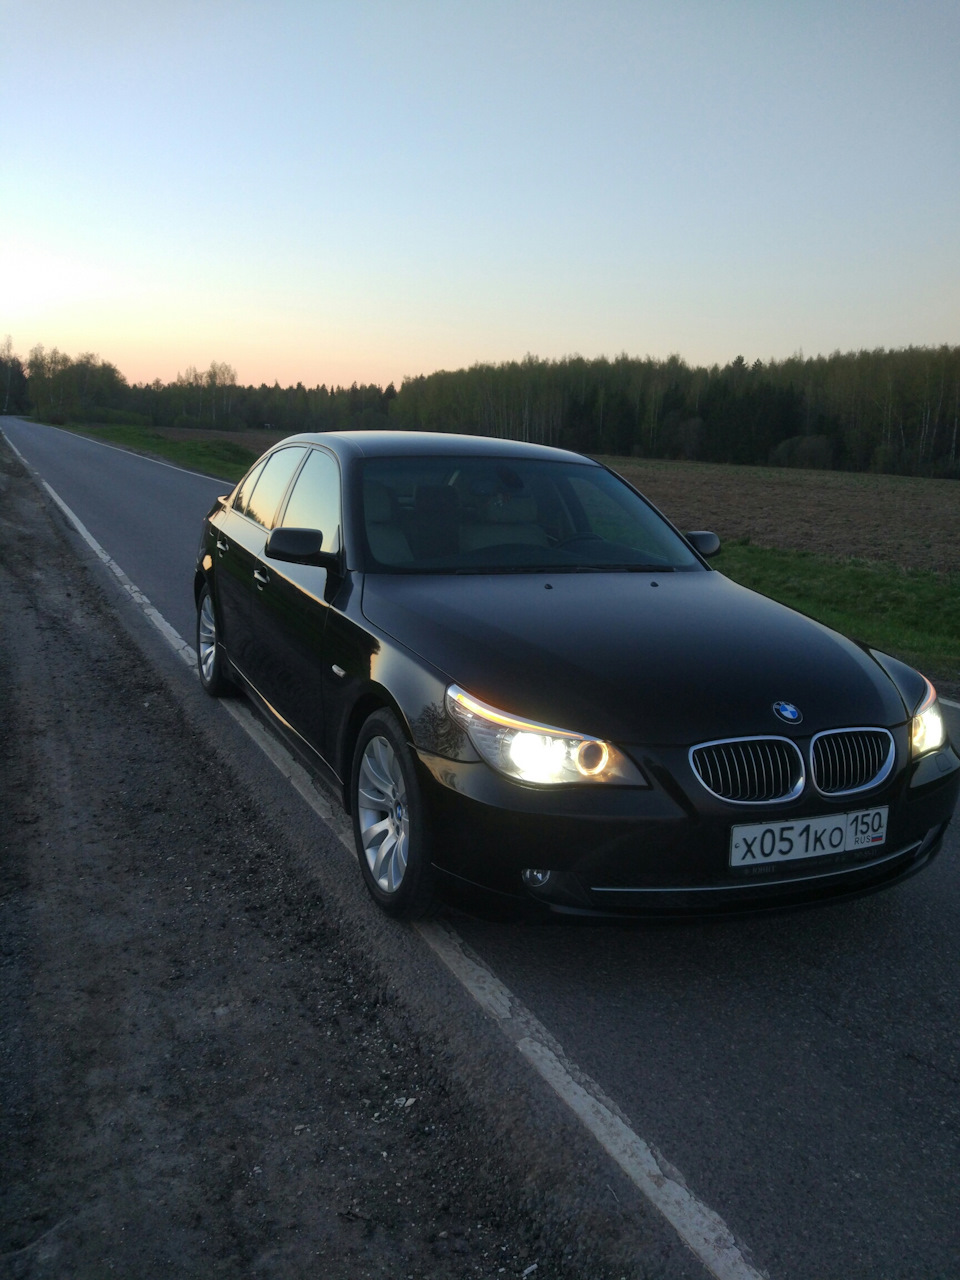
(766, 842)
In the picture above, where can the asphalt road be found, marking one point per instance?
(801, 1072)
(146, 514)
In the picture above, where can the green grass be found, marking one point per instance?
(912, 614)
(220, 458)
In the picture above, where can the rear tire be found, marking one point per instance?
(211, 663)
(389, 824)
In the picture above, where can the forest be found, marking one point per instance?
(892, 411)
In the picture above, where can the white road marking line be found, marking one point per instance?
(170, 634)
(698, 1226)
(947, 702)
(702, 1230)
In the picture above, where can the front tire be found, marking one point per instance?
(211, 663)
(389, 823)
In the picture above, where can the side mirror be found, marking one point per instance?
(708, 544)
(300, 546)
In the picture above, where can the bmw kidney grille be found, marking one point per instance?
(767, 770)
(750, 770)
(847, 760)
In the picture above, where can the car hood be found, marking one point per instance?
(670, 658)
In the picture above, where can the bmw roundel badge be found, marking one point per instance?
(788, 712)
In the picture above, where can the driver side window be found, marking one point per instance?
(315, 500)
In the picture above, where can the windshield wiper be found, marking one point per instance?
(609, 568)
(559, 568)
(500, 568)
(641, 568)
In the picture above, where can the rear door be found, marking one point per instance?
(230, 577)
(241, 534)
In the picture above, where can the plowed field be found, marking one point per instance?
(902, 520)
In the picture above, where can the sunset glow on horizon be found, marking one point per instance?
(333, 192)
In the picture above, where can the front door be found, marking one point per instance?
(293, 602)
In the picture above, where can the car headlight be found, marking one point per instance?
(927, 732)
(539, 753)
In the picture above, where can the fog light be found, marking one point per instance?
(534, 879)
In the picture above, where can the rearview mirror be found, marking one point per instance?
(708, 544)
(300, 546)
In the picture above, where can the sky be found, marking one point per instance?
(330, 192)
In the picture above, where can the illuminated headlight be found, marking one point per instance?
(538, 753)
(926, 733)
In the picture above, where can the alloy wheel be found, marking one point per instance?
(207, 639)
(384, 819)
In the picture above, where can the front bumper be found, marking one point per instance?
(664, 850)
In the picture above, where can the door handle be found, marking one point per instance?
(262, 578)
(222, 546)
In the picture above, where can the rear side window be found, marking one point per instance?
(272, 484)
(315, 501)
(246, 487)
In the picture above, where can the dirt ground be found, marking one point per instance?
(198, 1075)
(902, 520)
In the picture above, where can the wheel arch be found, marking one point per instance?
(374, 698)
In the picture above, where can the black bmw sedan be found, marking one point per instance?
(519, 676)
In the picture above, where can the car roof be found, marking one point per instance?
(393, 444)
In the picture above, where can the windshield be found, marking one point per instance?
(509, 515)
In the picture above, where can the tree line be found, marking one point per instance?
(892, 411)
(56, 389)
